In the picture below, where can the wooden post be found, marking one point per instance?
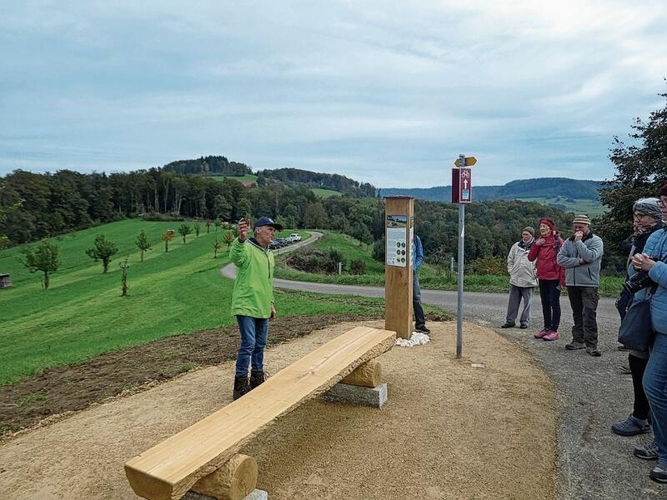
(399, 229)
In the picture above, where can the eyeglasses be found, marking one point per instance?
(661, 203)
(639, 216)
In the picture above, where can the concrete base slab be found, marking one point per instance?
(354, 394)
(254, 495)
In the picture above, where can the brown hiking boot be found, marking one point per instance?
(256, 379)
(241, 387)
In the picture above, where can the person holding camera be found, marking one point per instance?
(252, 299)
(653, 260)
(647, 217)
(581, 255)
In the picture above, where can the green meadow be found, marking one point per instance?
(325, 193)
(82, 314)
(592, 208)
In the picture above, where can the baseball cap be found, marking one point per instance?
(267, 221)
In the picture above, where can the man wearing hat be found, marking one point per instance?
(523, 279)
(252, 299)
(581, 255)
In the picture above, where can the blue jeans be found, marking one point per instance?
(550, 297)
(420, 320)
(655, 386)
(254, 334)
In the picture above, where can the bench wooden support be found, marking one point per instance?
(233, 481)
(367, 375)
(169, 469)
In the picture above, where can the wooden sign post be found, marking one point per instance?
(399, 231)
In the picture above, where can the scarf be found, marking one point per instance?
(526, 244)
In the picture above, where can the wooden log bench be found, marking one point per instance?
(171, 468)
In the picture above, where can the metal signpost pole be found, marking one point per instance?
(459, 302)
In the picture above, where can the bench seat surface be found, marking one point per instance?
(169, 469)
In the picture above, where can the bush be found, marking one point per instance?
(317, 261)
(488, 266)
(379, 250)
(357, 267)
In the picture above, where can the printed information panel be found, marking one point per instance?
(397, 247)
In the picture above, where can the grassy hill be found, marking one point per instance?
(325, 193)
(83, 314)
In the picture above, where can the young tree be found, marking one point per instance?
(208, 226)
(197, 226)
(123, 277)
(184, 230)
(229, 239)
(103, 250)
(216, 248)
(143, 244)
(44, 258)
(167, 236)
(217, 223)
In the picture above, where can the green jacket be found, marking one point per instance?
(253, 289)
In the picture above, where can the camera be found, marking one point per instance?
(637, 282)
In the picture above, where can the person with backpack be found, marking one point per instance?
(550, 277)
(647, 217)
(653, 260)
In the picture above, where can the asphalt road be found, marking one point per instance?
(592, 393)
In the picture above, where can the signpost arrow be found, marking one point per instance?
(470, 161)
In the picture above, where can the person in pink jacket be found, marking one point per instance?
(550, 276)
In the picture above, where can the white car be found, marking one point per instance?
(295, 237)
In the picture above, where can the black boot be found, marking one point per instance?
(241, 387)
(256, 378)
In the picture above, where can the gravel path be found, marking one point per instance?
(592, 393)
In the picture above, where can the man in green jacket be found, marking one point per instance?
(252, 299)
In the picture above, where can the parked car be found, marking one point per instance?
(295, 237)
(274, 245)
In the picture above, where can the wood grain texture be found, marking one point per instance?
(367, 375)
(235, 480)
(169, 469)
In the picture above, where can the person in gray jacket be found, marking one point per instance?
(522, 280)
(580, 255)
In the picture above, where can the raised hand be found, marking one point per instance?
(244, 227)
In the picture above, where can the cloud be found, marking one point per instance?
(372, 90)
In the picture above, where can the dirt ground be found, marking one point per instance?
(449, 430)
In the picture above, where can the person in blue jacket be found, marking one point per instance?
(417, 259)
(653, 260)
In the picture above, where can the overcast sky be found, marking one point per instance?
(386, 92)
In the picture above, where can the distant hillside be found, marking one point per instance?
(544, 187)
